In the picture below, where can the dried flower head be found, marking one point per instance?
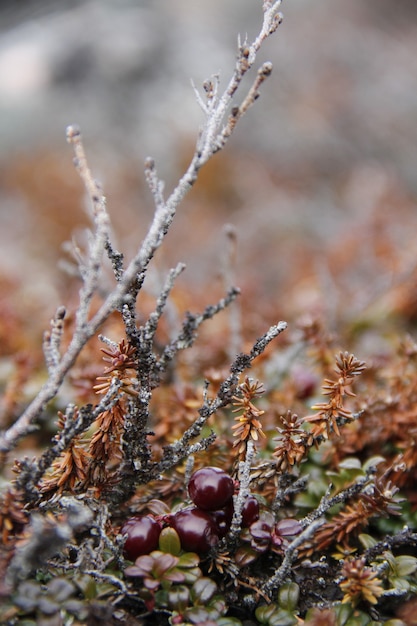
(360, 583)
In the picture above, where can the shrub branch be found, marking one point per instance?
(215, 132)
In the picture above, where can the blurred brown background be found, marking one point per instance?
(319, 180)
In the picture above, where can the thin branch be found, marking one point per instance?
(327, 503)
(244, 491)
(405, 537)
(188, 334)
(147, 332)
(227, 388)
(52, 340)
(122, 295)
(281, 573)
(229, 271)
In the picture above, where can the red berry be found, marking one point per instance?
(142, 536)
(196, 530)
(250, 511)
(223, 518)
(210, 488)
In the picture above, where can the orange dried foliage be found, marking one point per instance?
(346, 525)
(13, 517)
(292, 446)
(326, 421)
(248, 425)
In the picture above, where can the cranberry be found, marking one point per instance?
(210, 488)
(250, 511)
(142, 536)
(196, 530)
(223, 518)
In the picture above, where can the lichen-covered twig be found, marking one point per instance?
(213, 136)
(281, 573)
(224, 396)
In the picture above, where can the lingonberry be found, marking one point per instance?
(210, 488)
(142, 536)
(196, 530)
(250, 511)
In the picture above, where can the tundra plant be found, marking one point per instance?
(95, 527)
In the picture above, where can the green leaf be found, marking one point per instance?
(88, 586)
(367, 541)
(77, 608)
(48, 606)
(274, 616)
(169, 541)
(288, 596)
(359, 620)
(197, 615)
(163, 563)
(188, 559)
(60, 589)
(160, 597)
(343, 612)
(244, 556)
(348, 615)
(373, 462)
(350, 463)
(175, 576)
(344, 478)
(178, 598)
(405, 565)
(27, 595)
(218, 605)
(399, 584)
(191, 575)
(203, 590)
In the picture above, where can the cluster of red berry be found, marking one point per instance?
(199, 527)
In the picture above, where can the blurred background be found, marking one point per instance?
(319, 180)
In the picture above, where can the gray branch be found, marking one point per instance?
(85, 326)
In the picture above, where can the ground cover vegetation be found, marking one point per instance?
(204, 470)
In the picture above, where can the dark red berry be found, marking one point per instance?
(223, 518)
(250, 511)
(196, 530)
(210, 488)
(142, 536)
(305, 383)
